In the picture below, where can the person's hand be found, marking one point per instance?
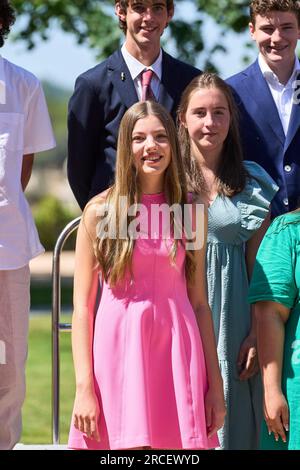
(86, 414)
(215, 410)
(247, 361)
(276, 413)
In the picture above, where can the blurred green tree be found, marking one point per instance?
(51, 216)
(93, 23)
(57, 100)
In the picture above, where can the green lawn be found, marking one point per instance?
(37, 407)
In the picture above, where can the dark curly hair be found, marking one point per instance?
(7, 19)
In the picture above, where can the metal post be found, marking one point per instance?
(56, 325)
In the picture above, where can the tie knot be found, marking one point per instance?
(146, 77)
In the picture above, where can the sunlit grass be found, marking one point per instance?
(37, 406)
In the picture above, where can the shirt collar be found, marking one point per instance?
(135, 67)
(271, 77)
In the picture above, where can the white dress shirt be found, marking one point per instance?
(25, 128)
(135, 68)
(282, 94)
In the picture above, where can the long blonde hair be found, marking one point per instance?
(115, 254)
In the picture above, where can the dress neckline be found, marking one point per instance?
(155, 197)
(212, 202)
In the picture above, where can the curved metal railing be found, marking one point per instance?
(56, 325)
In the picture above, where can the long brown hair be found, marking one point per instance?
(115, 254)
(231, 174)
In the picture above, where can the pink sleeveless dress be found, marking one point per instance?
(149, 366)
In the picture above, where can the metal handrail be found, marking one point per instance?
(56, 325)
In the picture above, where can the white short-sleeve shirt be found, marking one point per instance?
(25, 128)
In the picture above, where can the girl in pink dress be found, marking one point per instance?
(146, 367)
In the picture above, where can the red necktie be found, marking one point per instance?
(147, 93)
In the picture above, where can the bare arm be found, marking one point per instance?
(214, 405)
(27, 165)
(86, 409)
(271, 318)
(85, 285)
(247, 358)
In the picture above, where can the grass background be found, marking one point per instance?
(37, 414)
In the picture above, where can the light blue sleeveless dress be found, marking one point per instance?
(231, 222)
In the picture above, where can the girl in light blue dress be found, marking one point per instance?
(238, 196)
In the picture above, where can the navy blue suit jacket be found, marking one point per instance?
(101, 97)
(263, 137)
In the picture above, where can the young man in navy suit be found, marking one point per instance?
(267, 96)
(104, 93)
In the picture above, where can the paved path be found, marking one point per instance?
(40, 447)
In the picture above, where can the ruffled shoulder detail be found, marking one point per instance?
(254, 201)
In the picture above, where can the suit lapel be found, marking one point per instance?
(167, 83)
(121, 79)
(266, 111)
(294, 120)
